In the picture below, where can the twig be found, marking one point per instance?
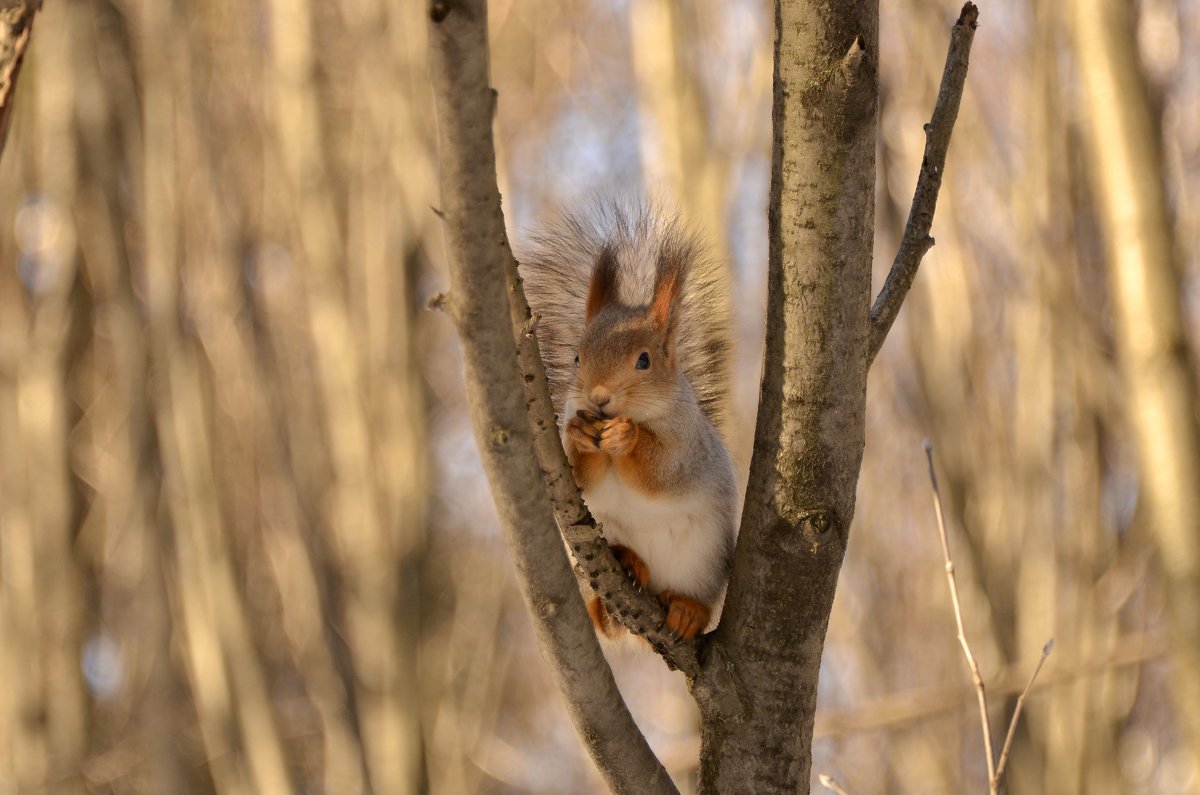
(916, 240)
(830, 783)
(1012, 724)
(980, 692)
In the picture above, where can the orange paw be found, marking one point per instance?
(686, 617)
(584, 434)
(619, 436)
(605, 624)
(634, 566)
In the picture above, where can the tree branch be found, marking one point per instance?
(16, 26)
(480, 258)
(916, 240)
(998, 776)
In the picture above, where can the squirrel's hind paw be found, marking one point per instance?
(634, 566)
(686, 617)
(605, 624)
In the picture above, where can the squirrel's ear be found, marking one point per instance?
(668, 292)
(603, 289)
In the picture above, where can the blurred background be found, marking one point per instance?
(245, 542)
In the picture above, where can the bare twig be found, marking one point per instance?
(480, 259)
(916, 240)
(1016, 716)
(980, 692)
(831, 783)
(995, 771)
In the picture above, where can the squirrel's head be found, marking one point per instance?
(626, 361)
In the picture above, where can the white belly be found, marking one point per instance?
(681, 538)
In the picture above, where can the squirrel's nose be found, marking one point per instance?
(599, 396)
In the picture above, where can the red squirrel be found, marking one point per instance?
(634, 326)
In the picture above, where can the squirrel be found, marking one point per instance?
(634, 328)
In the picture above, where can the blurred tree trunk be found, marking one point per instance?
(1125, 147)
(676, 136)
(367, 390)
(43, 612)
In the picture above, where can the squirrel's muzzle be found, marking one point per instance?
(600, 396)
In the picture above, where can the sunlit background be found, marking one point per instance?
(245, 541)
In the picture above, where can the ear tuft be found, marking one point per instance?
(603, 288)
(668, 291)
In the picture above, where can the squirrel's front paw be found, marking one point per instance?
(585, 434)
(619, 436)
(686, 617)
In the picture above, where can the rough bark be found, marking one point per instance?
(480, 260)
(810, 430)
(1144, 277)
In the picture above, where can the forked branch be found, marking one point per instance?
(916, 240)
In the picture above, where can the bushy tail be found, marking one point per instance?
(556, 265)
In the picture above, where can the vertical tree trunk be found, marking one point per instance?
(810, 432)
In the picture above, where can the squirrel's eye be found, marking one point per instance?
(643, 362)
(577, 360)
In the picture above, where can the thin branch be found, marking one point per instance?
(831, 783)
(1012, 724)
(16, 26)
(479, 259)
(980, 692)
(916, 240)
